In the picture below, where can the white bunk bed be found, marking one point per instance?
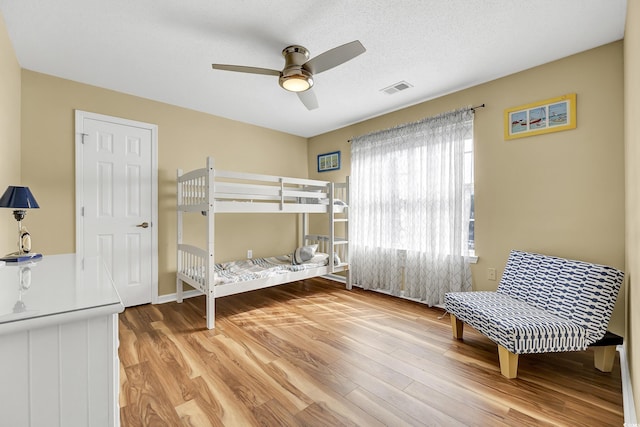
(210, 191)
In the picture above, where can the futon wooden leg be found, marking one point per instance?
(508, 362)
(457, 326)
(603, 357)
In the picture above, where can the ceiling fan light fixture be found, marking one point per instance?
(296, 80)
(298, 72)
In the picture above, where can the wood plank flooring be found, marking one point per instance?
(311, 353)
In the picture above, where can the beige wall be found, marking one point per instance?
(186, 137)
(632, 158)
(9, 135)
(561, 193)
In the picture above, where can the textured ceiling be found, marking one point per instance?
(163, 49)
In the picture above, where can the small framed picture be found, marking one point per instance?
(329, 161)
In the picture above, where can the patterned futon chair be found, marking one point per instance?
(543, 304)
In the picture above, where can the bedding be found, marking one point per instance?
(303, 254)
(258, 268)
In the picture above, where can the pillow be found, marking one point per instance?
(302, 254)
(319, 258)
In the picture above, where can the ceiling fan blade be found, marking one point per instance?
(243, 69)
(334, 57)
(308, 98)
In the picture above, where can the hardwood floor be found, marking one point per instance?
(311, 353)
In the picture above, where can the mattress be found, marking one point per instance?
(257, 268)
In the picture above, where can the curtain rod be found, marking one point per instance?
(470, 109)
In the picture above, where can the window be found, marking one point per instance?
(403, 195)
(469, 189)
(412, 207)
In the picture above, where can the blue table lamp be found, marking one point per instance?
(19, 199)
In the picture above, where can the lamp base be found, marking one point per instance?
(21, 257)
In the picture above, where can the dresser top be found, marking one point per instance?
(54, 289)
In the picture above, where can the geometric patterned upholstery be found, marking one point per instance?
(543, 304)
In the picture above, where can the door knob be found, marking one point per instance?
(143, 225)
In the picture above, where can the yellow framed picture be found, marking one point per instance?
(550, 115)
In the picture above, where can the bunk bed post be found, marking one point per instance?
(210, 265)
(281, 194)
(305, 228)
(179, 286)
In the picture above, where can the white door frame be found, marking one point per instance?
(79, 118)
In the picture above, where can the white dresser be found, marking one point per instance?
(58, 344)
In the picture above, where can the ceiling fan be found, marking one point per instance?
(298, 72)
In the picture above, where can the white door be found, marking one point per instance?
(116, 196)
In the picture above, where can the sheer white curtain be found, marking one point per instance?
(410, 208)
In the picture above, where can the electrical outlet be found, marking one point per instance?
(491, 274)
(249, 254)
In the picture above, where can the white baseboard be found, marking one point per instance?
(162, 299)
(385, 292)
(335, 278)
(628, 403)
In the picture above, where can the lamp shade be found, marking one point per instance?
(18, 198)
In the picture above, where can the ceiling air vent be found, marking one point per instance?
(396, 87)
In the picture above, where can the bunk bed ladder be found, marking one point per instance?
(332, 227)
(347, 200)
(333, 241)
